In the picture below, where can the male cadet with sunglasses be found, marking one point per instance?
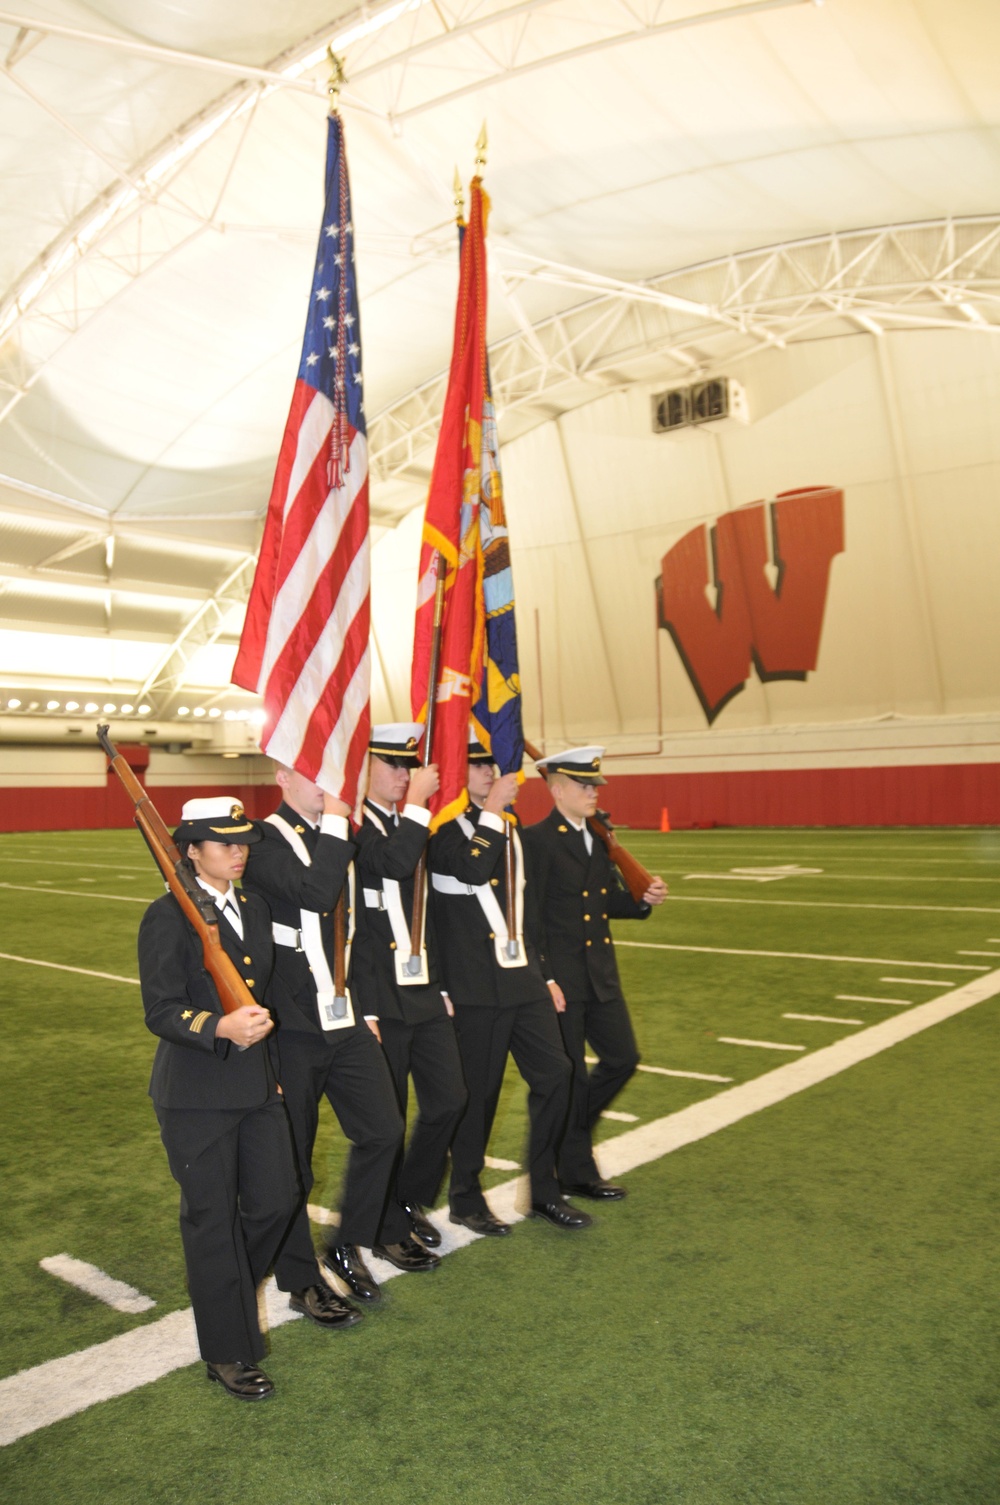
(329, 1046)
(418, 1035)
(576, 892)
(502, 1003)
(215, 1091)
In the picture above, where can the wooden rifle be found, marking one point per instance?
(198, 906)
(637, 879)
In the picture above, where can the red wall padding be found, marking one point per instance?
(963, 794)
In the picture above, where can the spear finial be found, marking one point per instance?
(336, 81)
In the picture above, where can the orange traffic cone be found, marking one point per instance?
(665, 819)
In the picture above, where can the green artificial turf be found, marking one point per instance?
(801, 1308)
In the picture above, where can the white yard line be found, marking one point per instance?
(114, 1293)
(801, 956)
(620, 1118)
(900, 1003)
(72, 893)
(757, 1044)
(822, 1019)
(63, 862)
(32, 961)
(62, 1387)
(833, 904)
(695, 1076)
(921, 982)
(494, 1163)
(977, 953)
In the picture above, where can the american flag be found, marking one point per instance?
(305, 639)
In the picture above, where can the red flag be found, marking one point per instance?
(451, 529)
(305, 639)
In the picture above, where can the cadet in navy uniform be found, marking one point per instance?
(214, 1088)
(576, 892)
(502, 1004)
(418, 1036)
(300, 867)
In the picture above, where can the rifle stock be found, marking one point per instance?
(637, 878)
(197, 905)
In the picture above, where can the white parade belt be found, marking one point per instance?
(335, 1010)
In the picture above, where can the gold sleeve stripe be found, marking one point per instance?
(198, 1022)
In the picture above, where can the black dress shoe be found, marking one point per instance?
(481, 1222)
(422, 1226)
(244, 1381)
(409, 1255)
(324, 1306)
(597, 1191)
(561, 1215)
(344, 1261)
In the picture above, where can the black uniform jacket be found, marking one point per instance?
(192, 1069)
(472, 974)
(396, 856)
(275, 872)
(574, 898)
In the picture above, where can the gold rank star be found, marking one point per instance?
(187, 1013)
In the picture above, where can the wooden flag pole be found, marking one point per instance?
(412, 964)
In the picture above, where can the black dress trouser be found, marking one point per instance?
(528, 1032)
(348, 1067)
(608, 1029)
(238, 1195)
(429, 1053)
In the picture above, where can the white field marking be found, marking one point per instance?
(33, 961)
(62, 862)
(921, 982)
(322, 1215)
(86, 880)
(757, 1044)
(760, 874)
(822, 1019)
(620, 1118)
(833, 904)
(88, 1278)
(38, 1397)
(494, 1163)
(862, 877)
(72, 893)
(977, 953)
(718, 849)
(899, 1003)
(697, 1076)
(801, 956)
(44, 883)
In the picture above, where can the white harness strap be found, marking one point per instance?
(392, 902)
(489, 905)
(334, 1012)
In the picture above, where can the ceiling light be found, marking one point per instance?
(230, 755)
(230, 716)
(127, 710)
(199, 710)
(109, 709)
(215, 711)
(72, 705)
(144, 710)
(258, 717)
(13, 705)
(91, 707)
(182, 710)
(52, 705)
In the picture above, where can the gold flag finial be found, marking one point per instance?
(459, 192)
(337, 80)
(481, 144)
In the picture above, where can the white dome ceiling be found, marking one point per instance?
(676, 185)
